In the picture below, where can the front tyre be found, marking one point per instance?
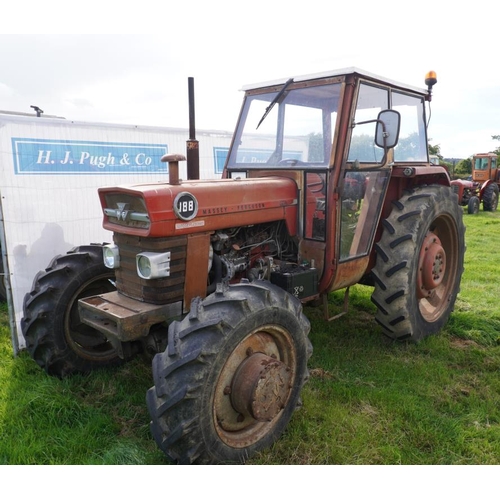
(419, 263)
(55, 337)
(230, 378)
(473, 205)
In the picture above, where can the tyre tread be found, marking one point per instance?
(176, 424)
(397, 258)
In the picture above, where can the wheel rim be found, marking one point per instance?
(254, 386)
(437, 270)
(431, 266)
(87, 342)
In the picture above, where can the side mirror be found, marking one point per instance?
(387, 131)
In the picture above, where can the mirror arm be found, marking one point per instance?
(384, 134)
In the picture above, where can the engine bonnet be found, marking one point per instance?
(157, 210)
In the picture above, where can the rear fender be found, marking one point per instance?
(484, 186)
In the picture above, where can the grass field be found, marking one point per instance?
(368, 401)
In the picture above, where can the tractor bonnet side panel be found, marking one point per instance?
(199, 206)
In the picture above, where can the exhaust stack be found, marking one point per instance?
(192, 146)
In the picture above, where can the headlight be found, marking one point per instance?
(152, 265)
(111, 256)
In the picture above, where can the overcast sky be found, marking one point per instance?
(124, 62)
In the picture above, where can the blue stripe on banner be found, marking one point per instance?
(45, 156)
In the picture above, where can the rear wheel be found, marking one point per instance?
(490, 197)
(419, 263)
(55, 337)
(231, 376)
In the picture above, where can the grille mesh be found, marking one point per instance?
(157, 291)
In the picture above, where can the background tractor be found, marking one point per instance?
(482, 186)
(327, 184)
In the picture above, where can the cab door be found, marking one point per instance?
(362, 195)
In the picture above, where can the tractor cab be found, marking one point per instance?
(339, 136)
(484, 167)
(434, 160)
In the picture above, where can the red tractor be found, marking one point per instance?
(327, 183)
(482, 186)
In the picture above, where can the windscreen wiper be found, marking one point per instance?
(275, 100)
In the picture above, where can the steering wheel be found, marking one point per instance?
(292, 162)
(317, 186)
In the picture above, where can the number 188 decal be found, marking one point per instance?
(185, 206)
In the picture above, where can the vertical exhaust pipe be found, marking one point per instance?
(192, 146)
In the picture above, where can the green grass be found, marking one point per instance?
(99, 419)
(368, 401)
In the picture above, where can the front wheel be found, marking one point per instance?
(55, 336)
(473, 205)
(230, 378)
(419, 263)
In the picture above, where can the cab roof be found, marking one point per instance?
(333, 73)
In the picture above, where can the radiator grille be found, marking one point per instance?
(158, 291)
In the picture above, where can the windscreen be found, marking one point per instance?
(286, 128)
(481, 164)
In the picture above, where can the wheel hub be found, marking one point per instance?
(260, 387)
(431, 266)
(254, 386)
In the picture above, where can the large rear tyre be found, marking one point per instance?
(230, 378)
(419, 263)
(55, 337)
(490, 197)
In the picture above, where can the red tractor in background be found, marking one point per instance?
(327, 184)
(482, 186)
